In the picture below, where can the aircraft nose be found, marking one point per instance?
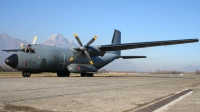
(12, 60)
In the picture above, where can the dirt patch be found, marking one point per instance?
(9, 107)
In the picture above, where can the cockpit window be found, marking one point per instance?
(27, 49)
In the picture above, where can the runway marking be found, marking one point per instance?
(164, 103)
(173, 102)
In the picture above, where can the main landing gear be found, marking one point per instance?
(60, 74)
(63, 74)
(26, 74)
(87, 74)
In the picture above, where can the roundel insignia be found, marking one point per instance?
(79, 68)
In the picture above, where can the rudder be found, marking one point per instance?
(116, 40)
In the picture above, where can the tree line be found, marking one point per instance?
(197, 72)
(5, 68)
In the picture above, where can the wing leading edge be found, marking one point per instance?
(125, 46)
(130, 57)
(12, 50)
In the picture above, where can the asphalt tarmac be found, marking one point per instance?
(94, 94)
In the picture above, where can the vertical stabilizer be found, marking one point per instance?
(116, 40)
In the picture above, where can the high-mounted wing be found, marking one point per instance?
(130, 57)
(125, 46)
(12, 50)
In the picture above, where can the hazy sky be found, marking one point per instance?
(138, 20)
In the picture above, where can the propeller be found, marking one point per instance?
(34, 39)
(83, 48)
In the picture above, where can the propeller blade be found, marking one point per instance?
(34, 39)
(77, 54)
(91, 41)
(83, 48)
(88, 56)
(77, 38)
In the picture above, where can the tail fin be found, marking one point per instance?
(116, 40)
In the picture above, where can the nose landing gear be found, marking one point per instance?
(26, 74)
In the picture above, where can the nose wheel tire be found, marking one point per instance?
(26, 74)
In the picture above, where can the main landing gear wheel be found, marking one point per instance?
(63, 74)
(26, 74)
(87, 74)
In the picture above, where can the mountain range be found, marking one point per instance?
(7, 42)
(122, 65)
(190, 68)
(59, 41)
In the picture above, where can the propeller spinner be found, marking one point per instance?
(83, 48)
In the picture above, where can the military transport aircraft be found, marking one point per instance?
(86, 59)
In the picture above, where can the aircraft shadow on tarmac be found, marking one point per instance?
(140, 76)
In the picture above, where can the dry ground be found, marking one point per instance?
(103, 92)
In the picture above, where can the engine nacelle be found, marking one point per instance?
(78, 68)
(95, 51)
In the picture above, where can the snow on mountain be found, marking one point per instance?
(59, 41)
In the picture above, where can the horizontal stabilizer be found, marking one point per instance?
(129, 57)
(125, 46)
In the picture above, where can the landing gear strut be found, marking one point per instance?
(26, 74)
(63, 74)
(87, 74)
